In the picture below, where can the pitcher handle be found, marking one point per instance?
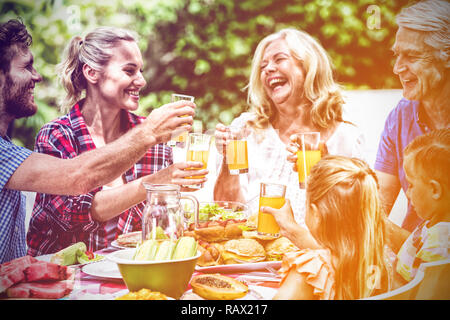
(196, 206)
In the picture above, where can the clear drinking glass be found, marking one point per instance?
(236, 151)
(179, 139)
(271, 195)
(307, 155)
(198, 150)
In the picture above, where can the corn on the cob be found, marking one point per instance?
(68, 256)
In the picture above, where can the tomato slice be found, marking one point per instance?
(90, 255)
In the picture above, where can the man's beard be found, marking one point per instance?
(17, 99)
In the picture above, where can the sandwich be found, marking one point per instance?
(276, 248)
(262, 238)
(210, 254)
(242, 251)
(252, 222)
(131, 239)
(214, 231)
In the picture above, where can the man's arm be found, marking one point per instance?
(227, 187)
(46, 174)
(395, 235)
(389, 189)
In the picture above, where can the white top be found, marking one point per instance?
(267, 160)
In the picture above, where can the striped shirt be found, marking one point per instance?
(59, 221)
(424, 244)
(12, 203)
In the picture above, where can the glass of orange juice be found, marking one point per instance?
(179, 139)
(236, 151)
(271, 195)
(307, 155)
(198, 150)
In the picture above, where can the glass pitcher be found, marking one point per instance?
(163, 215)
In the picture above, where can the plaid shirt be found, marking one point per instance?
(59, 221)
(12, 203)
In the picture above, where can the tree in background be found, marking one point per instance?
(204, 47)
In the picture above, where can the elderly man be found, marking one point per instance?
(21, 169)
(422, 51)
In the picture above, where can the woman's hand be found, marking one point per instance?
(294, 146)
(178, 174)
(170, 120)
(221, 135)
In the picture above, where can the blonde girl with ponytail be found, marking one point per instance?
(102, 76)
(348, 258)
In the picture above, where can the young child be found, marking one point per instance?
(345, 217)
(427, 170)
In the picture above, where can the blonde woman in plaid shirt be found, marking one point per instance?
(23, 170)
(107, 67)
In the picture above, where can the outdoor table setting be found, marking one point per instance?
(102, 280)
(219, 246)
(186, 250)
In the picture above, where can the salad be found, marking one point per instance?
(213, 211)
(88, 256)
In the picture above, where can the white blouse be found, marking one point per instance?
(267, 158)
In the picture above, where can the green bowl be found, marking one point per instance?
(170, 277)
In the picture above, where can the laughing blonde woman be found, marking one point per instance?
(291, 89)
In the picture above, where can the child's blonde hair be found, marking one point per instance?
(345, 192)
(95, 51)
(429, 156)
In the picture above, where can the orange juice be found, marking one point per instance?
(182, 137)
(237, 157)
(266, 222)
(311, 158)
(197, 156)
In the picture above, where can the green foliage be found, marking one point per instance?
(204, 47)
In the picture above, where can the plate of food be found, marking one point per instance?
(133, 239)
(102, 269)
(211, 213)
(221, 287)
(233, 245)
(216, 211)
(242, 255)
(73, 255)
(240, 267)
(142, 294)
(127, 240)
